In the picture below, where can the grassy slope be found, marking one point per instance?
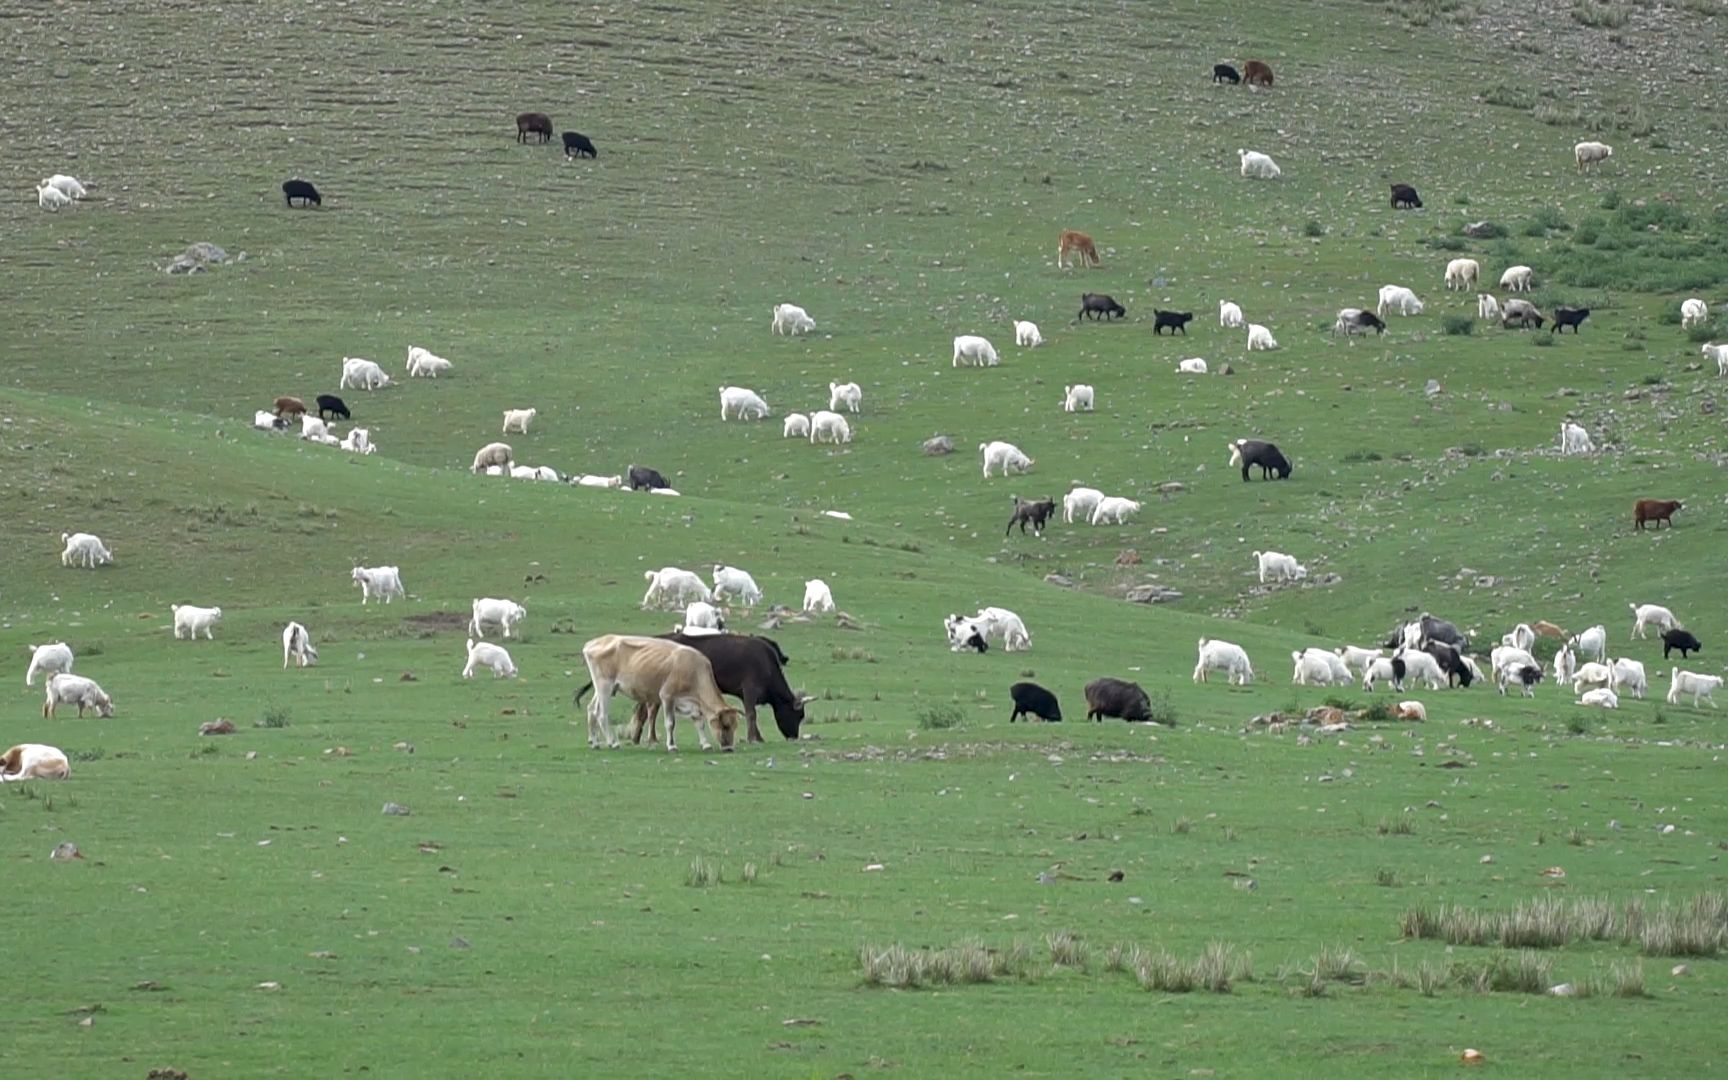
(903, 181)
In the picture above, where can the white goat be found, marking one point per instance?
(297, 646)
(829, 427)
(1591, 675)
(1230, 315)
(1003, 456)
(1279, 566)
(191, 620)
(358, 441)
(1520, 637)
(791, 319)
(1260, 339)
(1026, 334)
(1592, 643)
(362, 374)
(1420, 665)
(1516, 279)
(1077, 398)
(378, 581)
(1681, 683)
(1357, 659)
(1487, 308)
(797, 426)
(1628, 675)
(486, 654)
(1600, 698)
(1652, 615)
(504, 614)
(1258, 166)
(1591, 153)
(68, 186)
(51, 198)
(701, 615)
(740, 403)
(1226, 657)
(1194, 365)
(589, 480)
(1399, 299)
(976, 351)
(50, 659)
(673, 587)
(423, 364)
(519, 419)
(1079, 503)
(817, 596)
(1462, 274)
(65, 689)
(311, 427)
(730, 579)
(1693, 312)
(1718, 353)
(1114, 509)
(1002, 623)
(849, 394)
(84, 549)
(1574, 439)
(1317, 667)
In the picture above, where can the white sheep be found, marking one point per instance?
(1681, 683)
(297, 646)
(796, 426)
(1279, 566)
(1487, 307)
(378, 581)
(1258, 166)
(1516, 279)
(589, 480)
(519, 419)
(65, 689)
(311, 427)
(663, 491)
(486, 654)
(503, 614)
(1115, 509)
(701, 615)
(1194, 365)
(1230, 315)
(1591, 153)
(1079, 503)
(191, 620)
(1463, 274)
(494, 455)
(817, 596)
(1398, 298)
(84, 549)
(730, 579)
(791, 319)
(1260, 339)
(1077, 398)
(50, 659)
(1628, 675)
(68, 186)
(1574, 439)
(544, 473)
(51, 198)
(1600, 698)
(848, 394)
(976, 351)
(358, 441)
(829, 427)
(1226, 657)
(738, 402)
(1718, 353)
(1026, 334)
(362, 374)
(1003, 456)
(673, 587)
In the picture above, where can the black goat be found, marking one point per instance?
(302, 190)
(334, 406)
(1030, 699)
(1037, 511)
(578, 145)
(1099, 304)
(1226, 74)
(1565, 316)
(1252, 452)
(1175, 320)
(1404, 197)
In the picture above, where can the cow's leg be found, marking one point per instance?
(750, 716)
(666, 706)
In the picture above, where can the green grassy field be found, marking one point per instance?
(243, 907)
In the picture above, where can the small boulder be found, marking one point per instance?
(938, 445)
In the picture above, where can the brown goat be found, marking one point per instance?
(1257, 73)
(533, 123)
(1544, 628)
(289, 406)
(1657, 510)
(1079, 244)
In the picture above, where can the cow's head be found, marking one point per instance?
(725, 726)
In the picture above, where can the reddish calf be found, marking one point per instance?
(1657, 510)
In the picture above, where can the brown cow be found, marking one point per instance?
(1657, 510)
(289, 406)
(1257, 73)
(533, 123)
(1078, 243)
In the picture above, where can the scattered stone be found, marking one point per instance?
(1487, 581)
(272, 985)
(1128, 557)
(148, 984)
(1171, 487)
(1481, 230)
(1152, 594)
(409, 676)
(1226, 370)
(166, 1074)
(405, 747)
(1433, 388)
(1117, 875)
(222, 726)
(1058, 579)
(938, 445)
(197, 258)
(65, 852)
(396, 809)
(461, 943)
(1679, 970)
(1563, 990)
(1486, 860)
(1328, 578)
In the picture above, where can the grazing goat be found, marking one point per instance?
(1574, 439)
(1463, 274)
(486, 654)
(51, 198)
(190, 621)
(1279, 566)
(1002, 623)
(1317, 667)
(1520, 637)
(50, 659)
(1003, 456)
(1521, 314)
(84, 549)
(384, 582)
(642, 478)
(1592, 642)
(1565, 664)
(1257, 73)
(964, 633)
(423, 364)
(1516, 279)
(577, 145)
(1454, 663)
(1030, 699)
(1099, 306)
(1591, 153)
(1026, 334)
(1682, 683)
(533, 123)
(1718, 353)
(1224, 73)
(1356, 321)
(1036, 511)
(1194, 365)
(1398, 298)
(1628, 675)
(1117, 697)
(1258, 166)
(1682, 640)
(1356, 658)
(69, 186)
(1383, 669)
(495, 454)
(1080, 502)
(673, 587)
(1226, 657)
(1648, 615)
(1486, 306)
(791, 320)
(302, 190)
(1079, 245)
(1565, 316)
(818, 596)
(1693, 312)
(730, 579)
(68, 689)
(362, 374)
(701, 615)
(1251, 453)
(1260, 339)
(975, 351)
(740, 403)
(795, 426)
(1423, 666)
(849, 394)
(1404, 197)
(519, 419)
(829, 427)
(297, 646)
(288, 407)
(1230, 315)
(505, 615)
(1077, 398)
(1175, 320)
(332, 405)
(1114, 508)
(313, 428)
(35, 761)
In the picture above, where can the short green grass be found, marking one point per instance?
(244, 906)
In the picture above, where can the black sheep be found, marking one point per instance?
(332, 407)
(1679, 639)
(1175, 320)
(302, 190)
(1252, 452)
(1224, 73)
(642, 478)
(1117, 697)
(1564, 317)
(578, 145)
(1404, 197)
(1100, 305)
(1030, 699)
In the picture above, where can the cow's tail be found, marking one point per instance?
(579, 693)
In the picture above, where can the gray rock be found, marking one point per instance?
(396, 809)
(1433, 388)
(940, 444)
(1481, 230)
(197, 258)
(1151, 594)
(1058, 579)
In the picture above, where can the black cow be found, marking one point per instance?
(1100, 305)
(1115, 697)
(1030, 699)
(1254, 452)
(1451, 661)
(1565, 316)
(332, 405)
(1225, 73)
(578, 145)
(1175, 320)
(748, 668)
(1404, 197)
(1036, 511)
(641, 478)
(302, 190)
(533, 123)
(1433, 629)
(1679, 639)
